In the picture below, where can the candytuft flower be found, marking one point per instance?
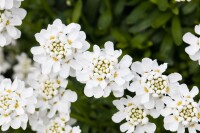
(16, 102)
(9, 19)
(102, 72)
(60, 47)
(193, 50)
(135, 115)
(182, 111)
(151, 85)
(51, 94)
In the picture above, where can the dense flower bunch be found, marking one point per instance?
(11, 15)
(38, 96)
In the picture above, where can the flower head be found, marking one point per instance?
(182, 111)
(9, 4)
(193, 50)
(51, 94)
(135, 115)
(23, 67)
(16, 102)
(151, 85)
(58, 124)
(103, 72)
(9, 19)
(60, 48)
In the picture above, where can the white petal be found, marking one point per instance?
(145, 98)
(150, 128)
(2, 40)
(174, 77)
(118, 117)
(190, 39)
(192, 130)
(37, 50)
(11, 31)
(119, 81)
(196, 56)
(96, 49)
(88, 92)
(191, 50)
(126, 61)
(77, 45)
(16, 124)
(65, 71)
(181, 129)
(47, 66)
(70, 96)
(197, 29)
(194, 91)
(124, 127)
(109, 48)
(56, 67)
(147, 64)
(28, 92)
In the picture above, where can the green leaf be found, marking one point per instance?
(176, 30)
(189, 7)
(162, 4)
(77, 11)
(161, 19)
(105, 20)
(146, 23)
(138, 13)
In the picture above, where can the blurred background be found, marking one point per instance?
(141, 28)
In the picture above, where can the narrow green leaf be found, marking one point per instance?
(138, 13)
(161, 19)
(77, 11)
(176, 30)
(105, 20)
(146, 23)
(162, 4)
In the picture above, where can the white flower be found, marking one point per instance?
(60, 48)
(151, 85)
(23, 67)
(134, 114)
(4, 65)
(9, 19)
(193, 50)
(182, 111)
(58, 124)
(51, 94)
(9, 4)
(103, 73)
(16, 102)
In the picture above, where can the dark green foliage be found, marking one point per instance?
(141, 28)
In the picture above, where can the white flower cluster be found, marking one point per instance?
(16, 102)
(103, 72)
(193, 50)
(60, 47)
(11, 15)
(45, 101)
(157, 94)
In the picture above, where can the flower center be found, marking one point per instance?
(188, 113)
(56, 127)
(102, 67)
(135, 115)
(155, 83)
(5, 102)
(58, 49)
(49, 89)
